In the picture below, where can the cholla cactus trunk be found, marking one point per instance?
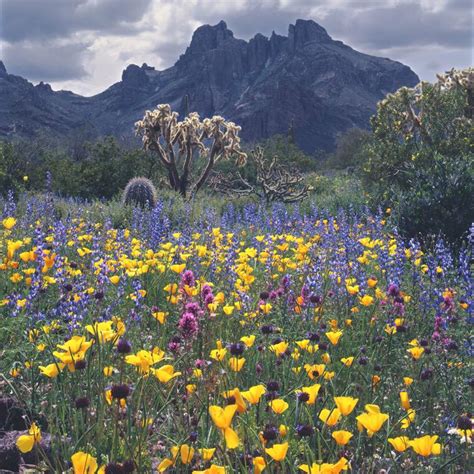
(140, 192)
(179, 145)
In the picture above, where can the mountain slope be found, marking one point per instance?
(305, 80)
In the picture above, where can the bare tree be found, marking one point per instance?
(180, 146)
(274, 182)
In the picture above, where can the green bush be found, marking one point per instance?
(420, 157)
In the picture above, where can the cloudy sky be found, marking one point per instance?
(83, 45)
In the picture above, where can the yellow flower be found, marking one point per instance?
(84, 463)
(186, 453)
(259, 465)
(114, 279)
(345, 404)
(426, 445)
(253, 394)
(405, 400)
(312, 391)
(228, 309)
(416, 352)
(212, 469)
(237, 396)
(334, 336)
(279, 348)
(143, 360)
(278, 406)
(108, 370)
(366, 300)
(325, 468)
(342, 437)
(330, 417)
(207, 453)
(277, 452)
(166, 373)
(222, 418)
(218, 354)
(160, 316)
(347, 361)
(248, 340)
(178, 268)
(9, 223)
(265, 308)
(407, 381)
(51, 370)
(407, 421)
(400, 444)
(26, 442)
(236, 363)
(372, 421)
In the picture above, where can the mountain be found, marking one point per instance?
(306, 80)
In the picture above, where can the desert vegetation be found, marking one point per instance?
(201, 305)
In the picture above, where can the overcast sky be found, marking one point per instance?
(83, 45)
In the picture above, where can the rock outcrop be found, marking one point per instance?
(306, 79)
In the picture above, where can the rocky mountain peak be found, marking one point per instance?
(305, 31)
(208, 37)
(317, 85)
(3, 70)
(135, 76)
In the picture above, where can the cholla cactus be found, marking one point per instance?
(180, 144)
(141, 192)
(274, 182)
(463, 79)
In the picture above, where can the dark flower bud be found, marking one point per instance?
(428, 350)
(99, 295)
(270, 433)
(452, 346)
(464, 423)
(426, 374)
(402, 328)
(193, 437)
(363, 350)
(237, 348)
(323, 346)
(123, 346)
(231, 400)
(424, 342)
(73, 265)
(377, 367)
(80, 364)
(82, 403)
(67, 287)
(303, 397)
(313, 337)
(304, 430)
(363, 361)
(120, 391)
(114, 468)
(264, 295)
(128, 466)
(266, 329)
(273, 386)
(315, 299)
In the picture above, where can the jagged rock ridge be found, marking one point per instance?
(306, 80)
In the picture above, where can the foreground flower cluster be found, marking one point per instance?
(319, 345)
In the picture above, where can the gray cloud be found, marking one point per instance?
(51, 62)
(34, 19)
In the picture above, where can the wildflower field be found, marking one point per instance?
(259, 340)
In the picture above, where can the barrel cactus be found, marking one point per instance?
(140, 192)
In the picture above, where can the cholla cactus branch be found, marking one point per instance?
(180, 144)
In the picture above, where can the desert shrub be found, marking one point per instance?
(420, 156)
